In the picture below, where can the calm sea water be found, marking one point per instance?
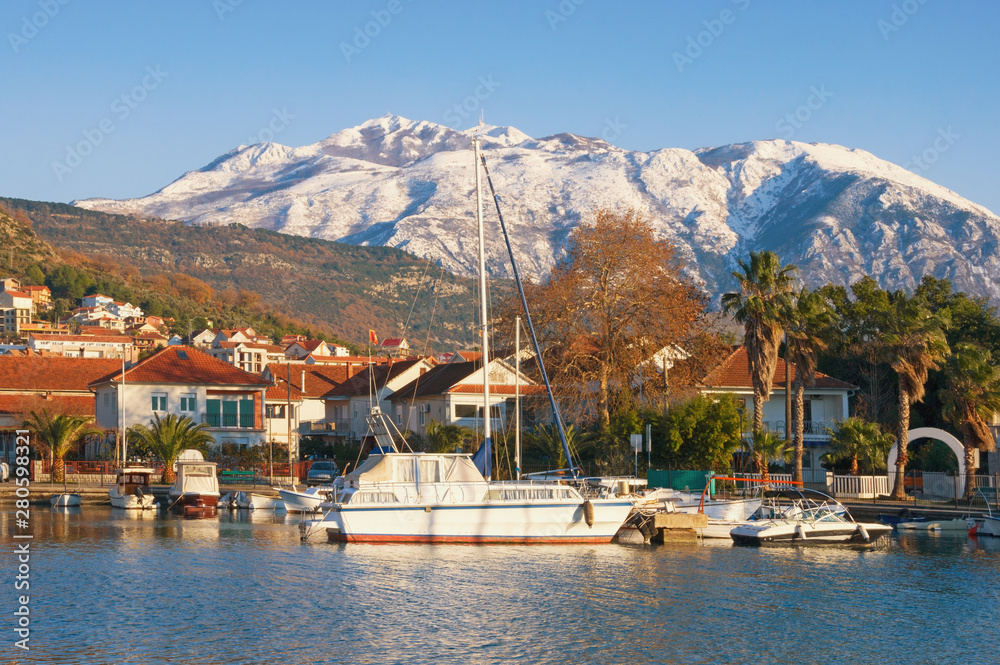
(112, 587)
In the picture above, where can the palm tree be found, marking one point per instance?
(545, 441)
(913, 343)
(446, 438)
(971, 396)
(768, 447)
(808, 321)
(169, 436)
(56, 434)
(765, 286)
(855, 439)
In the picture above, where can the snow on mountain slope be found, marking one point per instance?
(835, 212)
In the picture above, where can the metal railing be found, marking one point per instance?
(810, 428)
(340, 426)
(230, 420)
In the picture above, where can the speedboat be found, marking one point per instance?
(131, 490)
(801, 516)
(195, 493)
(307, 501)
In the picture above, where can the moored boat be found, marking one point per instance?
(803, 516)
(306, 501)
(66, 499)
(195, 493)
(443, 498)
(131, 490)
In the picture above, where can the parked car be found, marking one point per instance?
(322, 472)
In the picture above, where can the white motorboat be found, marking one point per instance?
(131, 490)
(804, 516)
(426, 497)
(444, 498)
(307, 501)
(65, 499)
(958, 524)
(195, 493)
(250, 501)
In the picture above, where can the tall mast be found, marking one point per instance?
(517, 397)
(487, 443)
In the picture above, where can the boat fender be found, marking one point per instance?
(800, 531)
(588, 513)
(864, 533)
(139, 494)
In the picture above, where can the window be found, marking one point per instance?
(470, 411)
(421, 418)
(275, 410)
(159, 401)
(189, 402)
(107, 399)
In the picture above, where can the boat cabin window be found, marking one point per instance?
(404, 471)
(199, 470)
(374, 497)
(429, 471)
(531, 494)
(134, 479)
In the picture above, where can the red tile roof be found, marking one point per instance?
(392, 341)
(733, 372)
(270, 348)
(53, 373)
(18, 294)
(185, 365)
(15, 405)
(320, 379)
(279, 393)
(376, 375)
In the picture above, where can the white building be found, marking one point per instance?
(825, 403)
(187, 382)
(248, 356)
(348, 404)
(84, 346)
(452, 394)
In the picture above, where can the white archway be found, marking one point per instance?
(928, 433)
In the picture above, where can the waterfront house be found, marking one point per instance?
(309, 347)
(825, 403)
(281, 412)
(33, 382)
(186, 381)
(348, 404)
(96, 300)
(41, 296)
(312, 383)
(452, 394)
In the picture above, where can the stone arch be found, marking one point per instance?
(928, 433)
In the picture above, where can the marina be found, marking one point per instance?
(320, 603)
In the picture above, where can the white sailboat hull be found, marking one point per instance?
(488, 522)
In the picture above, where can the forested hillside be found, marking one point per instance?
(239, 275)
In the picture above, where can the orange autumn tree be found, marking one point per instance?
(617, 298)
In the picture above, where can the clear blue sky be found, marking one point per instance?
(895, 77)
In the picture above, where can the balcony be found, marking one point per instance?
(330, 427)
(230, 420)
(813, 430)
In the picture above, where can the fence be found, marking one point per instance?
(860, 487)
(80, 471)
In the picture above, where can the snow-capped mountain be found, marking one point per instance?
(837, 213)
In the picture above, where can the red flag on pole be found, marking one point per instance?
(372, 337)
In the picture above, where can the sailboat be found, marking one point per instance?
(396, 496)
